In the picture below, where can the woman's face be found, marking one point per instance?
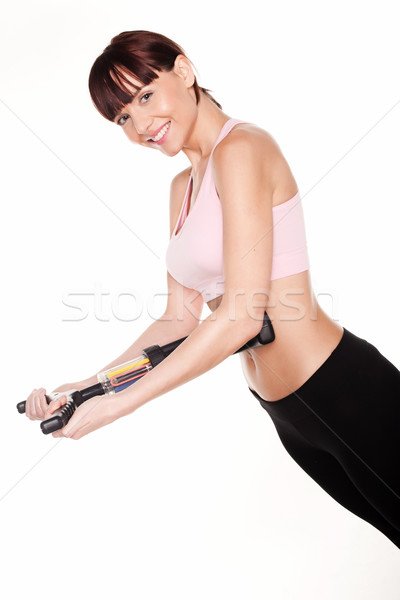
(162, 114)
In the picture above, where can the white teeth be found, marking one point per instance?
(161, 133)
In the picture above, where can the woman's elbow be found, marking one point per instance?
(245, 315)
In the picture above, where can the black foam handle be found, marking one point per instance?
(61, 418)
(265, 336)
(21, 406)
(267, 333)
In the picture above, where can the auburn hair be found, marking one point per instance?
(136, 53)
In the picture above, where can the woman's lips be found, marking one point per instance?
(162, 140)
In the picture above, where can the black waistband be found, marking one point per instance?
(326, 380)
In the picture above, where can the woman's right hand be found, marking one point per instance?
(37, 406)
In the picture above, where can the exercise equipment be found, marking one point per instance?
(120, 377)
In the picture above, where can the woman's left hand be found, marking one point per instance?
(89, 416)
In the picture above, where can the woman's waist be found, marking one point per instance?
(298, 350)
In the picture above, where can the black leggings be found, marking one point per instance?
(342, 426)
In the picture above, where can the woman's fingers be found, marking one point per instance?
(33, 409)
(37, 407)
(39, 403)
(55, 406)
(28, 406)
(42, 401)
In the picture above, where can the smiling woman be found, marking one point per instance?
(130, 81)
(238, 243)
(132, 56)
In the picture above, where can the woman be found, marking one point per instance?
(237, 242)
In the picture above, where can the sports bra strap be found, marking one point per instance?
(228, 125)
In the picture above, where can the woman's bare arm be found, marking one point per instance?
(163, 330)
(246, 198)
(183, 311)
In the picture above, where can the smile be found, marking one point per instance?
(161, 134)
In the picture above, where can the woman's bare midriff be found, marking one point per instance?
(305, 336)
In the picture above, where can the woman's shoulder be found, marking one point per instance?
(249, 134)
(246, 142)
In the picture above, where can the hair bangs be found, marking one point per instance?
(109, 83)
(140, 55)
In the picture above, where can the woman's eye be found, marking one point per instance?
(143, 100)
(147, 96)
(121, 120)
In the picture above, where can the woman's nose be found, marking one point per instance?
(142, 126)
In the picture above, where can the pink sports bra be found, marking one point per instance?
(194, 255)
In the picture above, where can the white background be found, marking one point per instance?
(192, 496)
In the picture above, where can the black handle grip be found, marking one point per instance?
(21, 406)
(265, 336)
(58, 420)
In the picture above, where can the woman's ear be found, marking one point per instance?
(183, 68)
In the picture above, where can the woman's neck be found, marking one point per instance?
(209, 122)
